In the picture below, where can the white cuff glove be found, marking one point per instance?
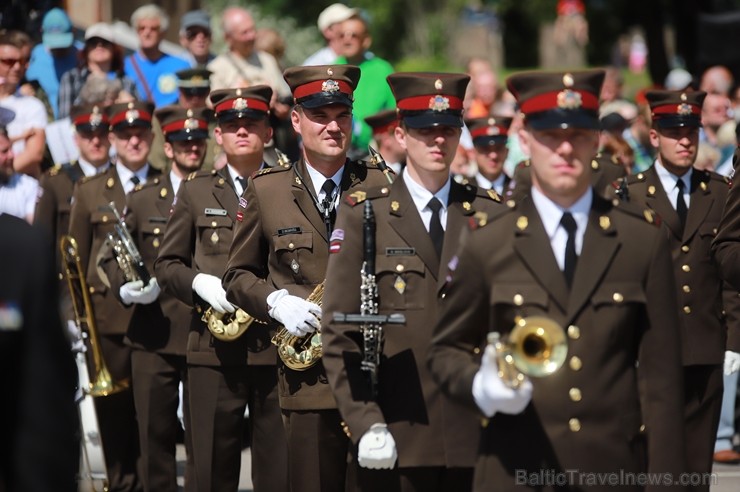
(490, 392)
(135, 293)
(732, 362)
(209, 288)
(76, 337)
(297, 315)
(377, 448)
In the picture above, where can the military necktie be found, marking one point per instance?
(435, 226)
(327, 203)
(243, 183)
(681, 207)
(569, 224)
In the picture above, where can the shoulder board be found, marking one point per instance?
(718, 177)
(271, 170)
(489, 194)
(357, 197)
(94, 177)
(636, 178)
(200, 174)
(55, 170)
(635, 210)
(149, 183)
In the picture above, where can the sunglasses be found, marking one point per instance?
(95, 42)
(195, 91)
(10, 62)
(191, 34)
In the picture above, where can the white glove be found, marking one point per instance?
(209, 288)
(490, 392)
(732, 362)
(297, 315)
(135, 293)
(76, 338)
(377, 448)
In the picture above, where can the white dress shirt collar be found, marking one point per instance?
(125, 175)
(421, 196)
(90, 170)
(318, 181)
(670, 180)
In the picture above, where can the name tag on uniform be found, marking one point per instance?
(158, 220)
(400, 251)
(216, 211)
(289, 230)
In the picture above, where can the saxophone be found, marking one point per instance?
(300, 353)
(227, 327)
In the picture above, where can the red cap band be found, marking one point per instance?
(484, 131)
(423, 103)
(176, 126)
(549, 100)
(141, 115)
(85, 119)
(231, 104)
(677, 110)
(318, 86)
(385, 128)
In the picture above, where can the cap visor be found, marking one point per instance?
(55, 40)
(562, 119)
(231, 115)
(186, 135)
(678, 121)
(428, 119)
(87, 127)
(490, 140)
(325, 99)
(137, 123)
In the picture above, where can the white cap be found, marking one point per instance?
(101, 30)
(336, 12)
(677, 79)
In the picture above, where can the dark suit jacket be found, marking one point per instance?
(282, 244)
(429, 429)
(197, 240)
(161, 326)
(698, 281)
(39, 444)
(90, 222)
(599, 412)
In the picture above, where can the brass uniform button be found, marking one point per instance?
(574, 424)
(476, 350)
(685, 248)
(105, 218)
(642, 428)
(575, 363)
(156, 230)
(574, 332)
(618, 298)
(687, 309)
(213, 223)
(399, 268)
(291, 245)
(575, 394)
(686, 268)
(155, 243)
(518, 299)
(91, 289)
(686, 289)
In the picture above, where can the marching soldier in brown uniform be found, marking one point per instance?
(690, 203)
(57, 184)
(224, 377)
(279, 256)
(419, 221)
(159, 326)
(90, 222)
(565, 260)
(489, 149)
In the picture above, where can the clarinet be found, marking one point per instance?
(372, 332)
(623, 192)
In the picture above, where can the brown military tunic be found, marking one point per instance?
(700, 296)
(90, 222)
(599, 412)
(158, 333)
(223, 377)
(282, 243)
(726, 248)
(429, 429)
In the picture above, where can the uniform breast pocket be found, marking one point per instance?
(151, 238)
(619, 303)
(402, 282)
(509, 300)
(708, 230)
(293, 250)
(214, 234)
(102, 223)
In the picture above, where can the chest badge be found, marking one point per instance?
(294, 266)
(399, 284)
(214, 237)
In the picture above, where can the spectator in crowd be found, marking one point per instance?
(55, 55)
(613, 86)
(270, 41)
(30, 87)
(716, 79)
(17, 191)
(373, 94)
(329, 23)
(195, 36)
(100, 56)
(99, 89)
(482, 89)
(26, 131)
(151, 69)
(637, 135)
